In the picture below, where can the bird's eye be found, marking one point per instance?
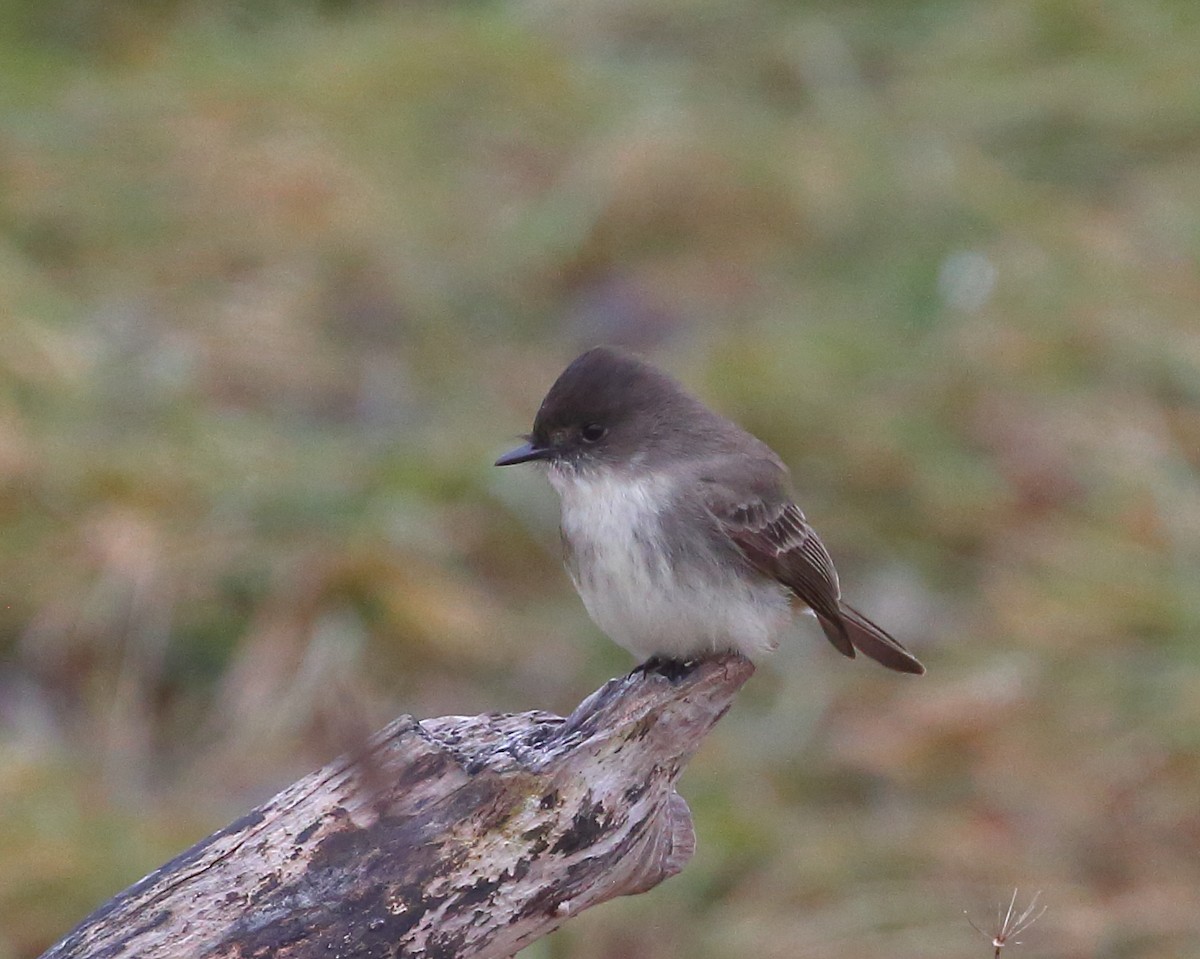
(592, 432)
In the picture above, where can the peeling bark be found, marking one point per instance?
(446, 838)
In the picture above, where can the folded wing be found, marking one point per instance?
(777, 540)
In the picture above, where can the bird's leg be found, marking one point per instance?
(668, 667)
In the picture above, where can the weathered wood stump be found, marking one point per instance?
(450, 837)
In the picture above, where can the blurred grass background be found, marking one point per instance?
(278, 280)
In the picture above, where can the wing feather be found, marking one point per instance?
(778, 541)
(770, 531)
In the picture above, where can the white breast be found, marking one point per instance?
(613, 532)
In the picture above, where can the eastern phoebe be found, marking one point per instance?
(678, 526)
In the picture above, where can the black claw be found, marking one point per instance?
(651, 665)
(671, 669)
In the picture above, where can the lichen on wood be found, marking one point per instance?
(450, 837)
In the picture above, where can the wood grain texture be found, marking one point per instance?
(451, 837)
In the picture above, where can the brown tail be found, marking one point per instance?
(855, 631)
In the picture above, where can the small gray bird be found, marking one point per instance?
(678, 526)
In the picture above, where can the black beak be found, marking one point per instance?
(523, 454)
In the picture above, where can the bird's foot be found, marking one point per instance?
(672, 669)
